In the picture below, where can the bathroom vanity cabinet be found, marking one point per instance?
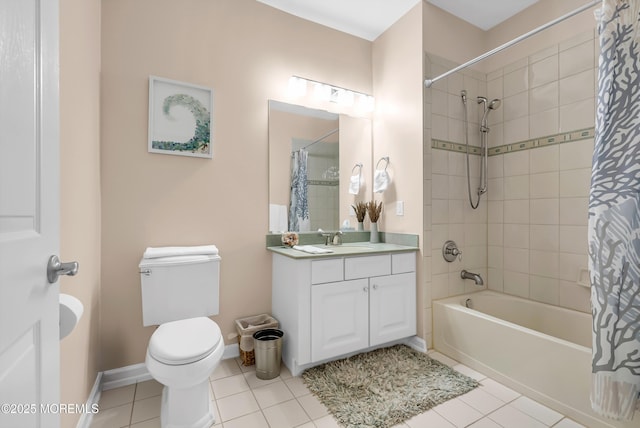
(330, 306)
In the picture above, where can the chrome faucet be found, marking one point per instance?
(470, 275)
(326, 235)
(331, 238)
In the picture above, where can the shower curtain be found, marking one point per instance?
(614, 214)
(299, 204)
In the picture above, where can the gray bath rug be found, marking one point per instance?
(384, 387)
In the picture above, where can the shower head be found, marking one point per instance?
(494, 104)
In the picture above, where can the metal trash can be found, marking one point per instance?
(268, 349)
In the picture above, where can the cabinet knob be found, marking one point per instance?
(365, 289)
(375, 286)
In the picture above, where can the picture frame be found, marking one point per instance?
(180, 118)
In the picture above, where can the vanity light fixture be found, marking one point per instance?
(297, 86)
(329, 93)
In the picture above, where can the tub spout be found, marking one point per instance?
(470, 275)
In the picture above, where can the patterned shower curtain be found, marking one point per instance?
(614, 214)
(299, 204)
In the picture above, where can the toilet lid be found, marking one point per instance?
(184, 341)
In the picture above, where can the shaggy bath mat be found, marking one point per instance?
(384, 387)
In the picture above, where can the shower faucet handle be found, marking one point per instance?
(450, 251)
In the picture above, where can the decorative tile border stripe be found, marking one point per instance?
(322, 182)
(565, 137)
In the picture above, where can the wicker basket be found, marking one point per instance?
(246, 327)
(248, 357)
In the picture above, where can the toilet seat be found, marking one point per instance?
(184, 341)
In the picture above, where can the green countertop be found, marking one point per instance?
(346, 249)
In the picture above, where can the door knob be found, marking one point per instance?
(55, 268)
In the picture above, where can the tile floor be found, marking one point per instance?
(243, 401)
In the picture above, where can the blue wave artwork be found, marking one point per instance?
(200, 142)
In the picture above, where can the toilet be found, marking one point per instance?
(180, 290)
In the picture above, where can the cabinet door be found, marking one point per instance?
(339, 318)
(392, 307)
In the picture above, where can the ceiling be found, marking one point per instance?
(368, 19)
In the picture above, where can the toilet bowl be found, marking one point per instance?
(182, 355)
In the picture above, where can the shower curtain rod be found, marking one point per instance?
(429, 82)
(322, 138)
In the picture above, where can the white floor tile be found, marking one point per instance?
(254, 382)
(237, 405)
(286, 415)
(498, 390)
(116, 397)
(114, 417)
(272, 394)
(482, 401)
(148, 389)
(326, 422)
(485, 423)
(150, 423)
(458, 412)
(508, 416)
(228, 367)
(314, 408)
(285, 373)
(240, 395)
(537, 410)
(252, 420)
(568, 423)
(148, 408)
(461, 368)
(229, 385)
(429, 418)
(442, 358)
(297, 386)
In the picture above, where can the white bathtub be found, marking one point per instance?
(539, 350)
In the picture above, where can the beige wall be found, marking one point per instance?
(397, 127)
(80, 194)
(246, 52)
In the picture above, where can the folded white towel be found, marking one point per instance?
(381, 181)
(154, 253)
(354, 184)
(311, 249)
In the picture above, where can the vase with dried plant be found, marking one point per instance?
(374, 209)
(361, 211)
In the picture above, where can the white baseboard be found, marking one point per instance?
(124, 376)
(94, 398)
(417, 343)
(231, 351)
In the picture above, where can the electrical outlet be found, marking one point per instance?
(400, 208)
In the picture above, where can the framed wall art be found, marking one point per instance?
(180, 118)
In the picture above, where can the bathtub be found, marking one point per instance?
(539, 350)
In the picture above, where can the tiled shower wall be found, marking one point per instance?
(537, 199)
(529, 235)
(448, 215)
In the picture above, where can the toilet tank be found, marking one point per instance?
(180, 287)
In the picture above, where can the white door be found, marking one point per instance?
(29, 212)
(392, 307)
(339, 318)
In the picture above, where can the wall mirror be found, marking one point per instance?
(325, 146)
